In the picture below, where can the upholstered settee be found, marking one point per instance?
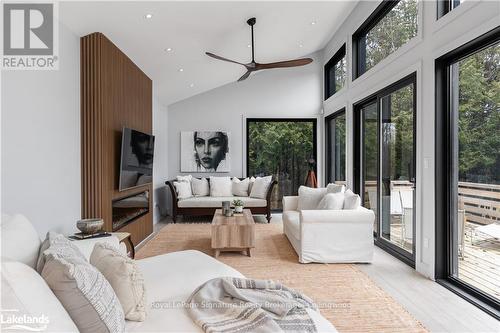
(329, 235)
(206, 205)
(168, 279)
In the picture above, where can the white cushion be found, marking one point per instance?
(240, 187)
(25, 291)
(86, 246)
(351, 200)
(183, 190)
(292, 220)
(172, 286)
(309, 198)
(335, 188)
(56, 242)
(125, 278)
(217, 202)
(20, 241)
(260, 187)
(200, 187)
(250, 184)
(221, 187)
(333, 201)
(187, 178)
(84, 292)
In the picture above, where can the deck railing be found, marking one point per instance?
(481, 202)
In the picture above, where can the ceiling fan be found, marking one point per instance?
(255, 66)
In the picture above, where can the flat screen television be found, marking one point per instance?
(136, 166)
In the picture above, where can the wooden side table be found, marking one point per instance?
(126, 238)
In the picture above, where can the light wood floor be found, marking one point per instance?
(437, 308)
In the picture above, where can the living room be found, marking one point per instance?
(347, 151)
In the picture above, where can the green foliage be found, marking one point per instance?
(393, 31)
(479, 116)
(238, 203)
(281, 149)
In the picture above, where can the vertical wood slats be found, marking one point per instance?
(115, 93)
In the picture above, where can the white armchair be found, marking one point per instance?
(329, 236)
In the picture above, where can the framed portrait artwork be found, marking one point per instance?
(205, 151)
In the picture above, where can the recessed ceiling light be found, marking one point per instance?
(313, 23)
(191, 85)
(148, 16)
(300, 45)
(168, 49)
(249, 45)
(181, 69)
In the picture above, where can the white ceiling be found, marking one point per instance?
(192, 28)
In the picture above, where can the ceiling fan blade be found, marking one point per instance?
(283, 64)
(222, 58)
(245, 76)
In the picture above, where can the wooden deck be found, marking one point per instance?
(480, 265)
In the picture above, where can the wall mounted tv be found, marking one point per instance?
(136, 167)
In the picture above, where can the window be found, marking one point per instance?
(335, 147)
(446, 6)
(390, 26)
(282, 148)
(468, 170)
(335, 73)
(384, 164)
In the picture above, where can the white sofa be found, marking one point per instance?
(329, 236)
(169, 281)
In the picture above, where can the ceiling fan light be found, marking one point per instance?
(148, 16)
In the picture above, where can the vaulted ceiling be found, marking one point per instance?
(168, 40)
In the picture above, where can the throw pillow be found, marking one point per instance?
(84, 292)
(260, 187)
(332, 201)
(187, 178)
(200, 187)
(309, 198)
(183, 190)
(221, 187)
(335, 188)
(58, 243)
(250, 184)
(17, 230)
(351, 200)
(240, 187)
(125, 278)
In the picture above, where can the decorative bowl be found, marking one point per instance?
(90, 226)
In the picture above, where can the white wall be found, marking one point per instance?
(41, 141)
(437, 37)
(293, 93)
(160, 169)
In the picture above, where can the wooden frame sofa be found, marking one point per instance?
(256, 206)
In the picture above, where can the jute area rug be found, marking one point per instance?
(346, 296)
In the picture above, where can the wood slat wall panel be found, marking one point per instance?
(115, 93)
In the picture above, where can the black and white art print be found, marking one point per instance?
(205, 151)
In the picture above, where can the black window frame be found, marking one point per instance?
(375, 98)
(314, 121)
(328, 143)
(358, 41)
(445, 196)
(341, 53)
(446, 6)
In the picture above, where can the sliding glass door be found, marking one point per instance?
(335, 134)
(468, 167)
(281, 148)
(384, 164)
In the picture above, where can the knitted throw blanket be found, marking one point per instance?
(244, 305)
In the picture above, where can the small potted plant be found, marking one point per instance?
(238, 206)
